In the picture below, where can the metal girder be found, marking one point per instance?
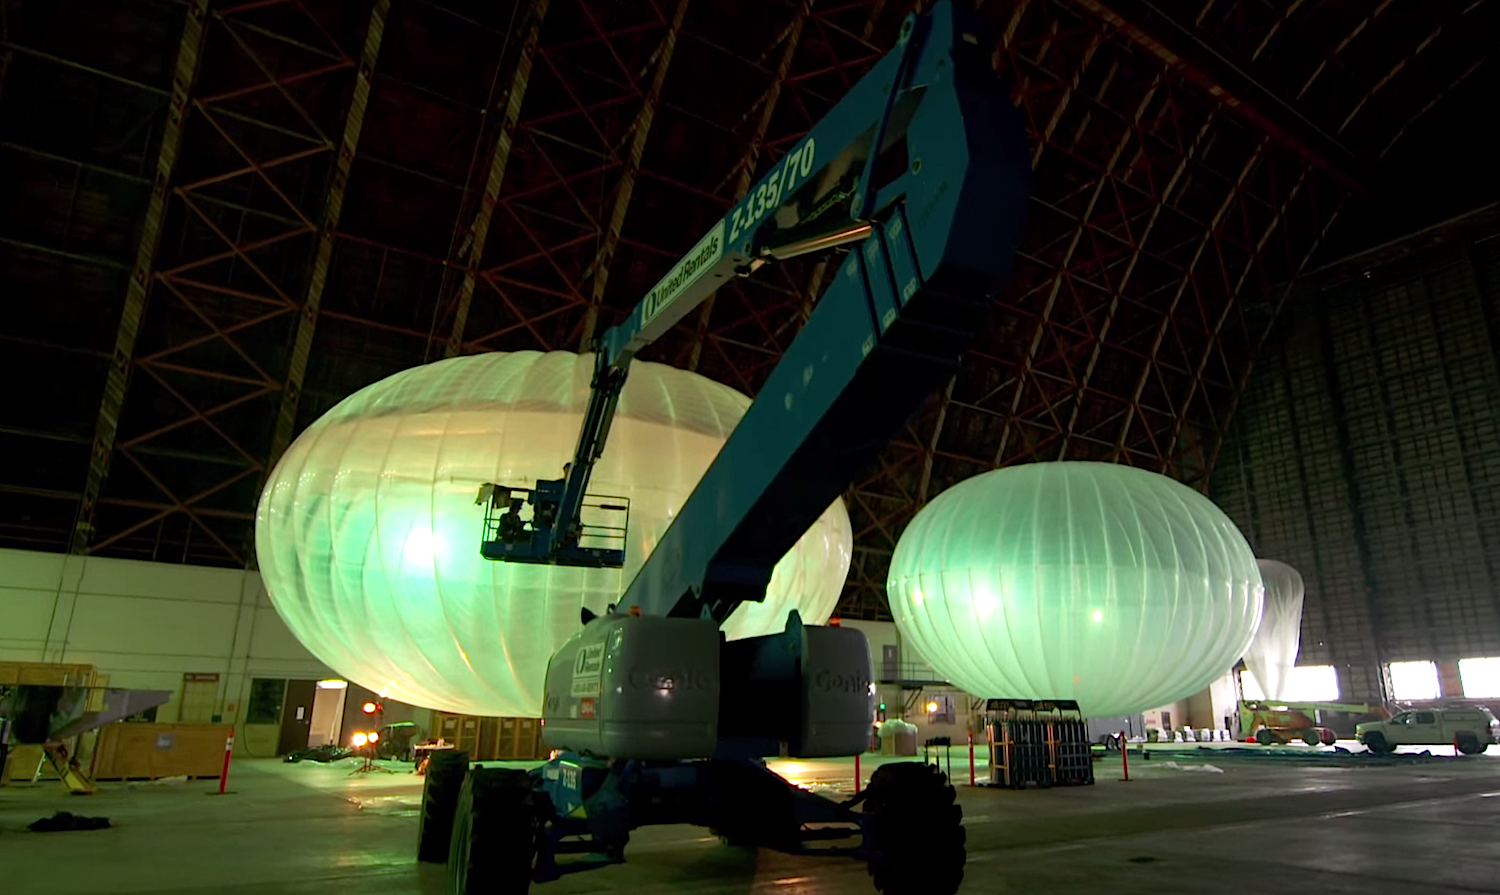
(333, 206)
(1155, 207)
(185, 72)
(1234, 298)
(745, 170)
(96, 260)
(1332, 57)
(1136, 252)
(925, 482)
(1111, 251)
(472, 250)
(752, 320)
(1428, 106)
(640, 130)
(1147, 26)
(1187, 282)
(6, 56)
(570, 145)
(235, 273)
(1024, 376)
(12, 49)
(1283, 293)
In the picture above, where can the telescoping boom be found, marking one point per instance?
(920, 176)
(922, 170)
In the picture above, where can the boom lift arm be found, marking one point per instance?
(936, 211)
(657, 717)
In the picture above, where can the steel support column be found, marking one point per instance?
(640, 130)
(505, 141)
(307, 320)
(185, 72)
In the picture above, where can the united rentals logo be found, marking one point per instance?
(703, 256)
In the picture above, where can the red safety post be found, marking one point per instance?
(1125, 757)
(224, 772)
(856, 773)
(971, 758)
(228, 751)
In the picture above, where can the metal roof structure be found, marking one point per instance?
(219, 218)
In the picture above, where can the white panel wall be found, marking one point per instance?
(913, 666)
(146, 624)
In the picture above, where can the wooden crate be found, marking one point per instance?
(460, 730)
(21, 762)
(519, 739)
(136, 751)
(47, 673)
(489, 738)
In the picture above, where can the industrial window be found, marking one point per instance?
(1414, 680)
(1305, 683)
(1480, 677)
(266, 695)
(940, 710)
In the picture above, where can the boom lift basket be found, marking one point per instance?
(603, 523)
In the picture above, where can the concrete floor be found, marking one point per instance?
(1426, 826)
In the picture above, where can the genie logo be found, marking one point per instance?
(829, 681)
(671, 679)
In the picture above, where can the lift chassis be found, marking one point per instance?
(921, 176)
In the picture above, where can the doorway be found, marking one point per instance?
(296, 716)
(327, 713)
(200, 696)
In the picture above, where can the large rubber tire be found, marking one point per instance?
(1376, 743)
(1468, 744)
(917, 830)
(1265, 737)
(495, 829)
(1329, 738)
(1311, 738)
(445, 777)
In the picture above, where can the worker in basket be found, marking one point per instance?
(512, 527)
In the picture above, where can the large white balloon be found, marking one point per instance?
(1114, 586)
(1273, 652)
(368, 535)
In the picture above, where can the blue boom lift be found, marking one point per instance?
(923, 171)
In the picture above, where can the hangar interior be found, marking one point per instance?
(1259, 258)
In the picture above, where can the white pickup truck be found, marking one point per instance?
(1472, 730)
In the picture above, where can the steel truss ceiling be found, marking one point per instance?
(220, 218)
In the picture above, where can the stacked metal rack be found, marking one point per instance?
(1044, 742)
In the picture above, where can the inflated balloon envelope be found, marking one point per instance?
(1273, 652)
(1119, 588)
(368, 536)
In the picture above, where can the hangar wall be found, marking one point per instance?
(1366, 453)
(147, 624)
